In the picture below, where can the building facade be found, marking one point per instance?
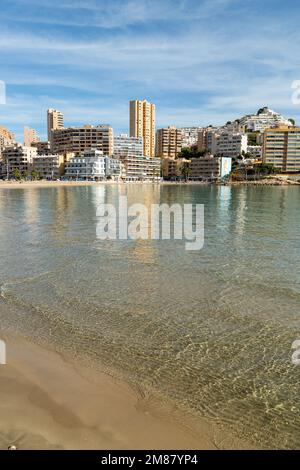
(49, 167)
(43, 148)
(209, 167)
(142, 168)
(92, 165)
(79, 139)
(281, 148)
(125, 146)
(230, 144)
(18, 157)
(172, 168)
(189, 136)
(142, 124)
(264, 118)
(30, 136)
(168, 142)
(55, 120)
(6, 138)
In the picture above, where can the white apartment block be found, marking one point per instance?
(125, 146)
(49, 167)
(189, 136)
(93, 165)
(18, 157)
(264, 119)
(229, 144)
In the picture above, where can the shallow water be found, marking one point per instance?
(211, 330)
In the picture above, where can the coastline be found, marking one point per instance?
(46, 402)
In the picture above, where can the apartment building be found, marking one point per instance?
(142, 168)
(142, 124)
(49, 167)
(229, 144)
(125, 146)
(172, 169)
(43, 147)
(189, 136)
(281, 148)
(6, 138)
(168, 142)
(265, 118)
(55, 120)
(30, 136)
(209, 167)
(18, 157)
(93, 165)
(79, 139)
(207, 139)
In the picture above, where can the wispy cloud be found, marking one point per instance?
(200, 61)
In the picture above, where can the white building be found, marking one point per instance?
(125, 146)
(18, 157)
(264, 118)
(230, 144)
(93, 165)
(189, 136)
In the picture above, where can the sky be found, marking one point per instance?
(200, 61)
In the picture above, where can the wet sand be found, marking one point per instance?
(49, 403)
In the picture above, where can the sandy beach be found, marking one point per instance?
(48, 403)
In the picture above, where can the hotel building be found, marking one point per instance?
(209, 167)
(282, 148)
(142, 124)
(168, 142)
(79, 139)
(94, 166)
(142, 168)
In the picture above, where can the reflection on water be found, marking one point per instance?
(210, 329)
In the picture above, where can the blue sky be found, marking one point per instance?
(201, 61)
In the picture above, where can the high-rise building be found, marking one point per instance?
(282, 148)
(168, 142)
(55, 120)
(30, 136)
(79, 139)
(142, 124)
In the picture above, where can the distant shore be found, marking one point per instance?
(273, 181)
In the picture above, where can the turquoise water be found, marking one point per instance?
(211, 330)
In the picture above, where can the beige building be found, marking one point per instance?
(142, 124)
(281, 148)
(209, 167)
(168, 142)
(79, 139)
(55, 120)
(49, 167)
(6, 138)
(43, 148)
(141, 168)
(173, 168)
(30, 137)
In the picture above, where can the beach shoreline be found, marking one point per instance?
(47, 402)
(50, 402)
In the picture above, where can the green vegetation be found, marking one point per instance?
(35, 175)
(262, 169)
(252, 136)
(192, 152)
(186, 171)
(16, 174)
